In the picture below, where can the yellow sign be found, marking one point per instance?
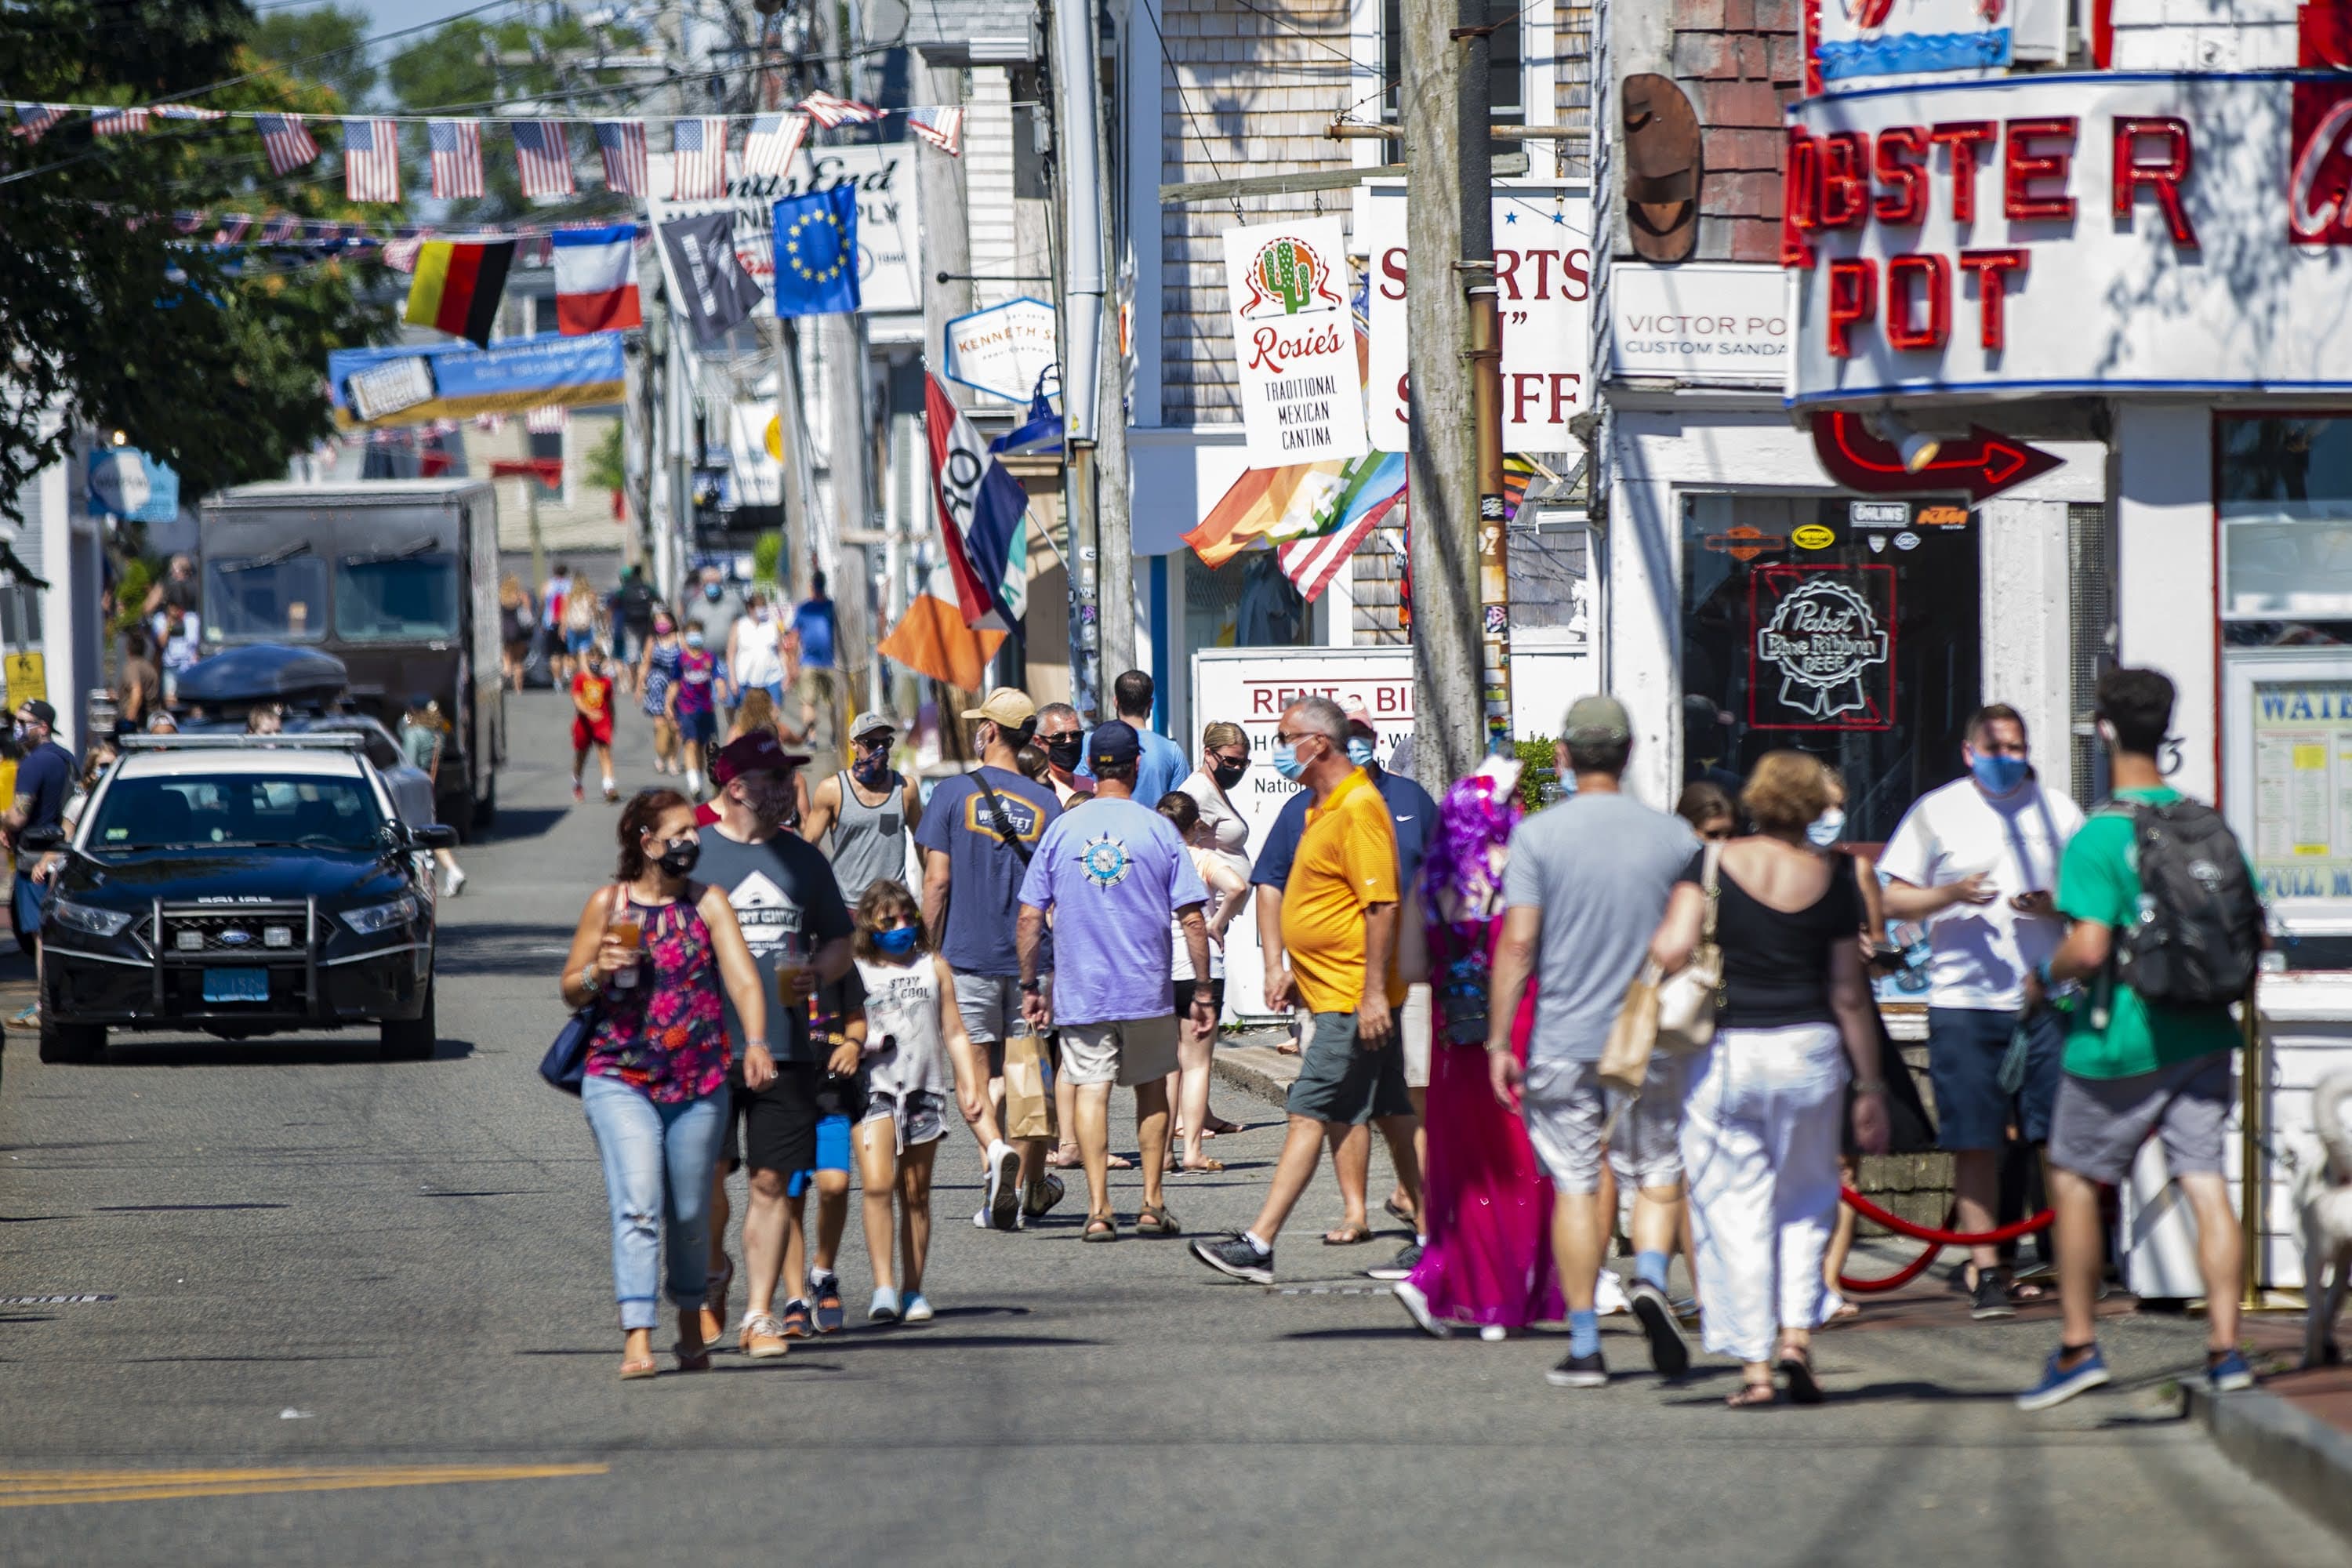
(1813, 536)
(775, 437)
(28, 678)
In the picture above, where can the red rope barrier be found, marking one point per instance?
(1935, 1238)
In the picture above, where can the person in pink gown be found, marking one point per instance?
(1486, 1262)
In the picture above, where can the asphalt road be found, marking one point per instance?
(360, 1313)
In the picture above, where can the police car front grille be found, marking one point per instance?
(243, 931)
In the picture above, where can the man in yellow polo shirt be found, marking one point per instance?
(1340, 912)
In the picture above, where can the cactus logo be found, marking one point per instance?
(1288, 277)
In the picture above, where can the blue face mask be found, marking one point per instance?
(1360, 751)
(710, 592)
(1285, 758)
(898, 943)
(1827, 828)
(1998, 774)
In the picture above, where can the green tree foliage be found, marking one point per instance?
(299, 38)
(212, 360)
(607, 464)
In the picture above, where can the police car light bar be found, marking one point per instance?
(307, 740)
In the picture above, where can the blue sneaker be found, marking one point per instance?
(2229, 1374)
(825, 1293)
(2056, 1387)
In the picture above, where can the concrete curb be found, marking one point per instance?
(1259, 1070)
(2270, 1438)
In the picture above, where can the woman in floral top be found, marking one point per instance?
(655, 1090)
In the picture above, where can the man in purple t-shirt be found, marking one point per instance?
(1120, 873)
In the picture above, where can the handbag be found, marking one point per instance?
(565, 1064)
(1688, 997)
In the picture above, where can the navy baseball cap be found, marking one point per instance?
(1114, 745)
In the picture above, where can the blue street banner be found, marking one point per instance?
(816, 253)
(409, 384)
(130, 485)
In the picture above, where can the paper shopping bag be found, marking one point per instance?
(1028, 1098)
(1625, 1059)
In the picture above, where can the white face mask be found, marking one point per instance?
(1827, 828)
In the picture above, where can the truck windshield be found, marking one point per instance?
(197, 810)
(396, 597)
(278, 597)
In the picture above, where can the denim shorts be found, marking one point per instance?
(1965, 1045)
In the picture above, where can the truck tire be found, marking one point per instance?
(69, 1043)
(410, 1040)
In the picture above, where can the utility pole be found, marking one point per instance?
(1114, 532)
(1449, 228)
(1077, 158)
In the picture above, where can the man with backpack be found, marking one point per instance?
(2167, 924)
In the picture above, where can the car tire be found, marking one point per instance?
(410, 1039)
(69, 1043)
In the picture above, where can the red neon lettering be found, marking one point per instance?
(1935, 276)
(1963, 137)
(1853, 299)
(1992, 269)
(1799, 198)
(2022, 167)
(1902, 182)
(2164, 178)
(1845, 199)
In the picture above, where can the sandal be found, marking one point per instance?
(714, 1302)
(1100, 1228)
(1797, 1367)
(1121, 1162)
(1753, 1396)
(1347, 1233)
(1398, 1212)
(634, 1369)
(1211, 1126)
(1154, 1219)
(1064, 1158)
(1205, 1164)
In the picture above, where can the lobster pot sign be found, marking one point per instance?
(1302, 395)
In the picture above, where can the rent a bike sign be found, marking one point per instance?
(2116, 233)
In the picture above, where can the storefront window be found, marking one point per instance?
(2286, 490)
(1845, 628)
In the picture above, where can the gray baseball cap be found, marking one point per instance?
(1597, 718)
(868, 723)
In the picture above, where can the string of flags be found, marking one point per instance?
(542, 145)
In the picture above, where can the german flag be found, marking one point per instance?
(458, 287)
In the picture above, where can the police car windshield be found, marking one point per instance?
(203, 810)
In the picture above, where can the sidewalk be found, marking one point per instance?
(2293, 1431)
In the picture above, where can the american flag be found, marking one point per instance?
(119, 122)
(400, 255)
(187, 111)
(544, 156)
(831, 112)
(34, 121)
(773, 143)
(698, 165)
(942, 128)
(233, 228)
(547, 421)
(289, 146)
(280, 229)
(371, 159)
(456, 148)
(622, 143)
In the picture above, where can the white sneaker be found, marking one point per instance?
(1417, 1305)
(1609, 1297)
(918, 1309)
(454, 883)
(884, 1306)
(1003, 1206)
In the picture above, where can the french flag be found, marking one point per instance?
(596, 279)
(982, 506)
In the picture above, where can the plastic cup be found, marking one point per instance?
(631, 933)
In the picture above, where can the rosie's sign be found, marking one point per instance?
(2112, 232)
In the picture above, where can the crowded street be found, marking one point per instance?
(311, 1304)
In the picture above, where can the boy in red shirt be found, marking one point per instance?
(592, 721)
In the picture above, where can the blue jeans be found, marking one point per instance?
(657, 1163)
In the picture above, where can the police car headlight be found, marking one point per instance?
(375, 918)
(90, 917)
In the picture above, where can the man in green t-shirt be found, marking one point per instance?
(2132, 1069)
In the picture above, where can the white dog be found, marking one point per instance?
(2322, 1201)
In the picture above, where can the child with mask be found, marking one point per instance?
(693, 705)
(657, 673)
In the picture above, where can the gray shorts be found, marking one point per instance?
(1340, 1081)
(1413, 1033)
(1565, 1117)
(2099, 1123)
(1126, 1052)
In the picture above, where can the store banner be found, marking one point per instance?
(412, 385)
(2189, 233)
(1294, 339)
(1543, 277)
(1004, 349)
(1906, 37)
(1699, 324)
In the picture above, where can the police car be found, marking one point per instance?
(240, 885)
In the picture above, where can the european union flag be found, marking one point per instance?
(816, 252)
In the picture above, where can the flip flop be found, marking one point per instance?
(1798, 1368)
(1754, 1396)
(1347, 1233)
(1216, 1124)
(639, 1369)
(1205, 1166)
(1121, 1162)
(1398, 1212)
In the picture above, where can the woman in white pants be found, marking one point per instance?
(1761, 1104)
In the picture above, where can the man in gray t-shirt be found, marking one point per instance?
(1585, 888)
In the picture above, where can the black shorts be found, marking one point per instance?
(773, 1129)
(1180, 997)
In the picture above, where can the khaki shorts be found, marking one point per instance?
(1566, 1116)
(1413, 1035)
(1127, 1051)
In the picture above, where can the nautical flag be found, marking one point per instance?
(596, 279)
(34, 121)
(289, 145)
(816, 253)
(456, 147)
(981, 508)
(458, 287)
(543, 157)
(371, 160)
(774, 142)
(931, 638)
(119, 122)
(551, 420)
(942, 128)
(187, 111)
(698, 165)
(622, 143)
(711, 281)
(830, 111)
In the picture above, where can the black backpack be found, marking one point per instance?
(2200, 928)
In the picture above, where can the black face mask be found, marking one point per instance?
(1228, 774)
(1063, 749)
(679, 858)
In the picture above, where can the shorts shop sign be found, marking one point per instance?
(2112, 233)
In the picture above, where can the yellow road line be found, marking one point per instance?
(41, 1488)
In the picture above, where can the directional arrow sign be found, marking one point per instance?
(1984, 464)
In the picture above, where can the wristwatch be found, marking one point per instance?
(1870, 1086)
(1031, 987)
